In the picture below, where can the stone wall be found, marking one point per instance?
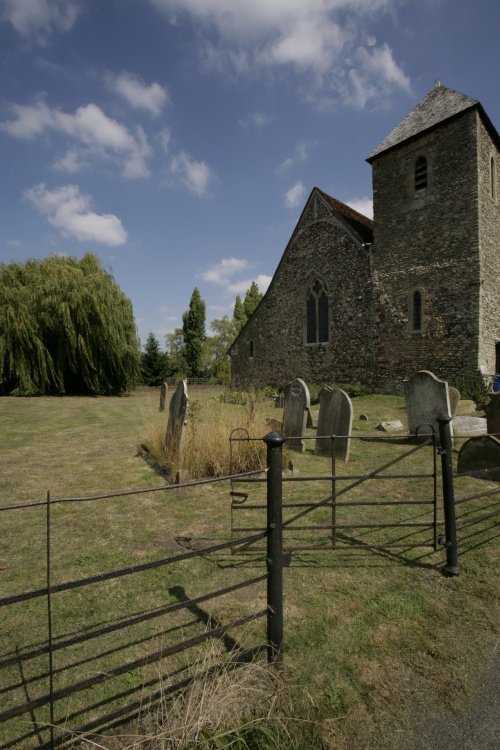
(321, 246)
(427, 240)
(489, 224)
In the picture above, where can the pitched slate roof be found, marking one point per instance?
(361, 225)
(439, 105)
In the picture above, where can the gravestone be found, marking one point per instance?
(492, 410)
(335, 418)
(163, 395)
(480, 453)
(297, 403)
(454, 396)
(390, 426)
(177, 415)
(426, 399)
(467, 425)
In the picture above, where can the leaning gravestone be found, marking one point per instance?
(163, 395)
(492, 410)
(426, 399)
(335, 418)
(297, 402)
(478, 454)
(177, 413)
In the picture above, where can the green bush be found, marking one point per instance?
(472, 386)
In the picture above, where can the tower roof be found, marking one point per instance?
(440, 104)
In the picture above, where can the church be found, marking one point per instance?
(360, 301)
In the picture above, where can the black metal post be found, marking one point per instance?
(274, 441)
(452, 567)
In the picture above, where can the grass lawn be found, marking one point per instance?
(374, 639)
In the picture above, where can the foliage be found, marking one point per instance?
(471, 386)
(225, 330)
(193, 329)
(65, 327)
(252, 299)
(239, 315)
(176, 352)
(155, 364)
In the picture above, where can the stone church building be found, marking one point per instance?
(355, 300)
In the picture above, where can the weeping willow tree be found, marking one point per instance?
(65, 327)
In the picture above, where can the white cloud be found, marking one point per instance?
(130, 87)
(14, 243)
(240, 287)
(164, 138)
(195, 175)
(363, 205)
(328, 40)
(40, 17)
(221, 272)
(295, 195)
(69, 163)
(90, 126)
(67, 209)
(299, 155)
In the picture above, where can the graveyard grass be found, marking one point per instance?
(375, 642)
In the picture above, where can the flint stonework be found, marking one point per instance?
(177, 418)
(297, 402)
(335, 418)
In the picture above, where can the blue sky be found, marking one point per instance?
(179, 139)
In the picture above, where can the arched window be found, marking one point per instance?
(317, 317)
(421, 173)
(493, 178)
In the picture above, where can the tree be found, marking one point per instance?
(193, 329)
(65, 327)
(252, 299)
(239, 315)
(176, 351)
(225, 330)
(155, 364)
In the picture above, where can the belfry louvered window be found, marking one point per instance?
(317, 317)
(421, 173)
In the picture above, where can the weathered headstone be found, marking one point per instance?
(480, 453)
(297, 401)
(467, 425)
(492, 410)
(312, 418)
(335, 418)
(177, 414)
(426, 399)
(163, 395)
(454, 396)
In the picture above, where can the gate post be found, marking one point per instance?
(452, 568)
(274, 441)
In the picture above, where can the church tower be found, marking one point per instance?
(436, 249)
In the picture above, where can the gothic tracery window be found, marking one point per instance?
(317, 315)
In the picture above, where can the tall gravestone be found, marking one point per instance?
(492, 409)
(177, 415)
(335, 418)
(297, 402)
(163, 395)
(426, 399)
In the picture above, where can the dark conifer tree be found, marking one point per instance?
(252, 299)
(193, 329)
(154, 362)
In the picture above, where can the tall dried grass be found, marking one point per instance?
(207, 450)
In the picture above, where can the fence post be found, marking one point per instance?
(274, 441)
(452, 567)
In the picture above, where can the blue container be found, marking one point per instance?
(496, 383)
